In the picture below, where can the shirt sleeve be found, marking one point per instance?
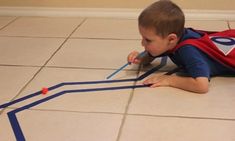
(193, 61)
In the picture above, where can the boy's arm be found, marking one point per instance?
(196, 66)
(197, 85)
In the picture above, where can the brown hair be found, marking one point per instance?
(165, 17)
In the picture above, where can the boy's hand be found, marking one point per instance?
(132, 57)
(197, 85)
(158, 80)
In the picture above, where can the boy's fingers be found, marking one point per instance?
(136, 61)
(146, 82)
(152, 81)
(154, 85)
(131, 58)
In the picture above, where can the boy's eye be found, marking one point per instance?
(147, 40)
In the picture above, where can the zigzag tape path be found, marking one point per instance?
(12, 114)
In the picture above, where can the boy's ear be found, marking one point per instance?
(172, 38)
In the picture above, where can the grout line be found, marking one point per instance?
(21, 90)
(89, 68)
(78, 68)
(15, 36)
(184, 117)
(63, 42)
(105, 38)
(69, 111)
(88, 38)
(139, 115)
(9, 65)
(61, 67)
(127, 108)
(9, 23)
(58, 67)
(229, 25)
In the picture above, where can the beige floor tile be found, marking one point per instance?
(98, 101)
(95, 53)
(217, 103)
(12, 79)
(27, 51)
(232, 24)
(173, 114)
(42, 27)
(208, 25)
(61, 126)
(139, 128)
(5, 20)
(109, 28)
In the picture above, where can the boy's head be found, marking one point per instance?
(164, 17)
(161, 25)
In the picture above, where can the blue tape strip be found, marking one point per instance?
(16, 126)
(63, 84)
(20, 99)
(12, 115)
(163, 62)
(76, 91)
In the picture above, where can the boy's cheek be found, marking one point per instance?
(150, 48)
(153, 52)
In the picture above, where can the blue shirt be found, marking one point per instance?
(195, 62)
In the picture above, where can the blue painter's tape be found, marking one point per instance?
(12, 115)
(63, 84)
(19, 100)
(163, 62)
(16, 126)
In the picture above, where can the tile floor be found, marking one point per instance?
(38, 52)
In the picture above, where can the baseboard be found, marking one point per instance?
(210, 14)
(69, 12)
(110, 13)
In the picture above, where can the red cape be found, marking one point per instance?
(214, 44)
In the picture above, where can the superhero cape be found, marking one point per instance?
(218, 45)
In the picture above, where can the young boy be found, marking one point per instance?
(199, 53)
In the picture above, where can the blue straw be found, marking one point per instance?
(121, 68)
